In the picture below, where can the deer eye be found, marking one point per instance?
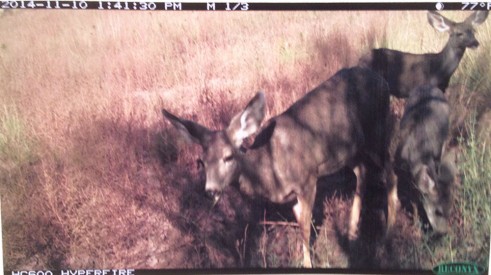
(439, 213)
(459, 34)
(228, 158)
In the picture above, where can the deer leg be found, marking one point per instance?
(360, 172)
(303, 213)
(392, 198)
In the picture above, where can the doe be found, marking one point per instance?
(341, 123)
(406, 71)
(424, 129)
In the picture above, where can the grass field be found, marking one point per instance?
(92, 177)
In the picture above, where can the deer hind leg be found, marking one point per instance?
(360, 172)
(303, 213)
(392, 198)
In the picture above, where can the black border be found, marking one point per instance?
(259, 6)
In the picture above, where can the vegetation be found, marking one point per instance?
(91, 176)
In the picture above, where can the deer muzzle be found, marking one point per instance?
(213, 194)
(474, 44)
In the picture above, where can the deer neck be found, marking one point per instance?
(449, 58)
(258, 179)
(250, 178)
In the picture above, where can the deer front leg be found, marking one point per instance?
(360, 172)
(303, 213)
(392, 198)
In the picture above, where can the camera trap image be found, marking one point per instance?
(258, 139)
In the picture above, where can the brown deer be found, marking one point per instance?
(424, 130)
(406, 71)
(341, 123)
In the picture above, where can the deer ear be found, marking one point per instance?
(425, 183)
(248, 121)
(477, 17)
(447, 170)
(438, 21)
(191, 131)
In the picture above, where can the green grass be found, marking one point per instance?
(475, 191)
(471, 223)
(16, 144)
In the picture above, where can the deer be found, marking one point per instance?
(406, 71)
(341, 123)
(424, 129)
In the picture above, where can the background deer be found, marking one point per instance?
(406, 71)
(424, 128)
(342, 122)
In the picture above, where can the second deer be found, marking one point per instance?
(424, 130)
(406, 71)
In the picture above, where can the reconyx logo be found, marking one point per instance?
(458, 269)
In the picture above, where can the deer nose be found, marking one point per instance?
(212, 188)
(474, 44)
(213, 194)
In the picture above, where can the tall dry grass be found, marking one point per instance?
(91, 177)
